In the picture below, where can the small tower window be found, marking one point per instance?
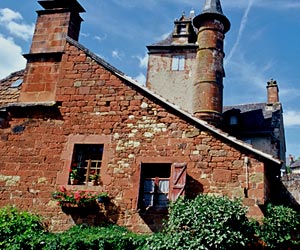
(219, 44)
(178, 63)
(181, 29)
(233, 120)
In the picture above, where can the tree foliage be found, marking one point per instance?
(206, 222)
(280, 228)
(19, 230)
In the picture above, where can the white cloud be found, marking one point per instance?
(143, 61)
(8, 15)
(101, 38)
(242, 73)
(290, 93)
(12, 21)
(83, 34)
(291, 118)
(141, 78)
(164, 36)
(11, 57)
(116, 54)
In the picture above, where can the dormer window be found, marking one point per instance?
(233, 120)
(178, 62)
(181, 29)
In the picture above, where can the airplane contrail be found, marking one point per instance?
(241, 30)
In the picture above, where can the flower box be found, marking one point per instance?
(77, 198)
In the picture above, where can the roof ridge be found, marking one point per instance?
(175, 107)
(94, 56)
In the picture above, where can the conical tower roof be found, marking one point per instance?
(212, 6)
(212, 9)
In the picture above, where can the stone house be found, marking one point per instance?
(70, 109)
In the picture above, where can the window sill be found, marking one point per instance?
(153, 210)
(84, 188)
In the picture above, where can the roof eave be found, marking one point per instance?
(204, 123)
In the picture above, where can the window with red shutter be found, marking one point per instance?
(178, 181)
(161, 183)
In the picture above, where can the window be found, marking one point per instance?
(233, 120)
(178, 63)
(220, 44)
(16, 83)
(86, 164)
(3, 120)
(161, 183)
(181, 29)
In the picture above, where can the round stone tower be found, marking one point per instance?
(212, 25)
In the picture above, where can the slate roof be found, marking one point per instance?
(8, 93)
(5, 85)
(169, 43)
(165, 42)
(296, 164)
(256, 117)
(212, 6)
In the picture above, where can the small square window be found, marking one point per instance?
(181, 29)
(178, 63)
(86, 164)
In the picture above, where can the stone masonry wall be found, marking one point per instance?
(96, 105)
(175, 86)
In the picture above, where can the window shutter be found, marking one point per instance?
(178, 181)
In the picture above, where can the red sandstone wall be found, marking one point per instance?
(97, 105)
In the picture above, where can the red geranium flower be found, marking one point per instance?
(62, 189)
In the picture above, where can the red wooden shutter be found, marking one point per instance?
(178, 181)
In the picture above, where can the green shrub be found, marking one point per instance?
(206, 222)
(22, 230)
(110, 237)
(19, 230)
(280, 228)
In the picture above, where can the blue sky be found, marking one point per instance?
(263, 43)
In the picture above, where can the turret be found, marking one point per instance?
(212, 25)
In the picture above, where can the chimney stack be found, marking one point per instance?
(272, 91)
(58, 20)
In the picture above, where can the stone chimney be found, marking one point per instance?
(272, 91)
(208, 85)
(58, 20)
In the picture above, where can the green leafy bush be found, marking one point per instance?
(19, 230)
(110, 237)
(280, 228)
(22, 230)
(206, 222)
